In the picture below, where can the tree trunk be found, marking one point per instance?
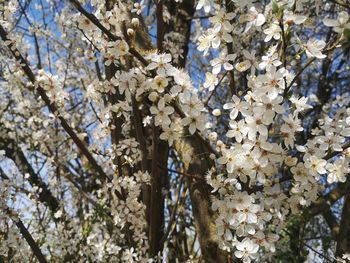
(199, 191)
(343, 241)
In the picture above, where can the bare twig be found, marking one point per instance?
(52, 106)
(310, 247)
(27, 236)
(216, 86)
(173, 212)
(139, 57)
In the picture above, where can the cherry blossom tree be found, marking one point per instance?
(174, 131)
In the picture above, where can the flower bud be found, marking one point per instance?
(217, 112)
(347, 152)
(153, 96)
(290, 161)
(213, 136)
(130, 32)
(135, 22)
(167, 98)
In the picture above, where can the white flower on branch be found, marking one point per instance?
(339, 24)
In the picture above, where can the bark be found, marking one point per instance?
(181, 23)
(332, 223)
(26, 235)
(323, 206)
(323, 203)
(152, 196)
(31, 242)
(343, 241)
(200, 198)
(113, 99)
(156, 221)
(199, 190)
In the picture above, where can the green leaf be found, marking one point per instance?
(275, 7)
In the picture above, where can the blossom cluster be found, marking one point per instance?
(265, 164)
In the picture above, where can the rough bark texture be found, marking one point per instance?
(156, 221)
(152, 196)
(181, 23)
(199, 190)
(201, 204)
(343, 241)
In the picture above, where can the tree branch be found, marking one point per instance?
(52, 107)
(27, 236)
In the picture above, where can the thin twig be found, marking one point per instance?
(183, 173)
(52, 106)
(310, 247)
(139, 57)
(27, 236)
(173, 213)
(216, 86)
